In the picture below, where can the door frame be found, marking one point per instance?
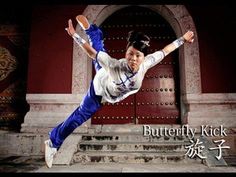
(189, 61)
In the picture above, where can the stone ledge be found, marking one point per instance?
(54, 98)
(218, 98)
(210, 109)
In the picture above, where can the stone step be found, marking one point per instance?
(18, 144)
(230, 160)
(131, 138)
(130, 148)
(130, 157)
(133, 146)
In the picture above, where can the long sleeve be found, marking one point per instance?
(105, 60)
(153, 59)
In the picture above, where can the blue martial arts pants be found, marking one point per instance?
(91, 102)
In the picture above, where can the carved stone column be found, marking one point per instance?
(13, 62)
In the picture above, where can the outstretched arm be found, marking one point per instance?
(91, 52)
(187, 37)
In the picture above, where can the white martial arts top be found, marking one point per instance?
(115, 80)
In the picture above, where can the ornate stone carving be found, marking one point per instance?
(8, 63)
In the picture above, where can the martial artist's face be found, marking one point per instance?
(134, 58)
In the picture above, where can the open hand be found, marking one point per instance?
(70, 29)
(189, 36)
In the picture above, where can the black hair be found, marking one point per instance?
(139, 41)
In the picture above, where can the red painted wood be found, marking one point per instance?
(51, 49)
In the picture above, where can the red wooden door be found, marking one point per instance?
(157, 102)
